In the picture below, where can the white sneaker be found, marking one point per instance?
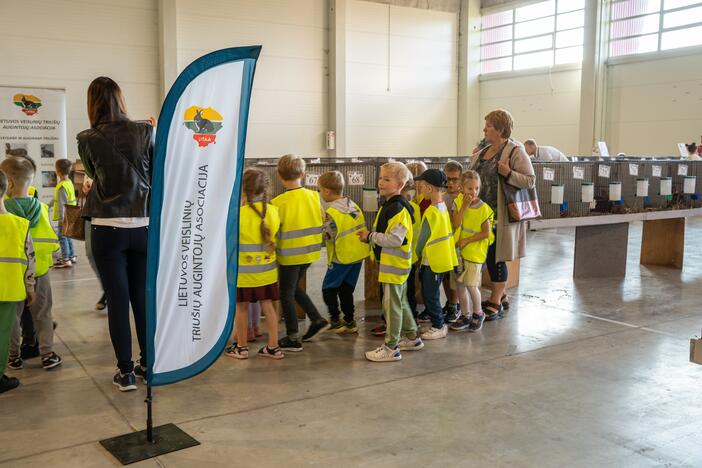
(435, 333)
(407, 344)
(384, 354)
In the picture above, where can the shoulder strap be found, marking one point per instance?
(129, 161)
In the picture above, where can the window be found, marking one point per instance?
(537, 35)
(639, 26)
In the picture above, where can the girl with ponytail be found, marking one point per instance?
(257, 279)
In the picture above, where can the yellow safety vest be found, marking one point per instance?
(347, 247)
(70, 194)
(415, 229)
(458, 202)
(45, 241)
(472, 224)
(13, 258)
(31, 192)
(257, 266)
(440, 250)
(300, 236)
(395, 263)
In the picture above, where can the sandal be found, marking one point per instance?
(273, 353)
(237, 352)
(492, 311)
(504, 300)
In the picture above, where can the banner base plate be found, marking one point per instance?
(133, 447)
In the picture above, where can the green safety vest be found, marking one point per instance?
(440, 250)
(13, 258)
(472, 224)
(347, 247)
(70, 194)
(300, 236)
(257, 266)
(45, 241)
(396, 262)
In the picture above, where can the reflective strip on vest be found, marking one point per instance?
(13, 260)
(297, 233)
(469, 231)
(252, 247)
(396, 253)
(258, 268)
(48, 241)
(440, 239)
(350, 230)
(299, 250)
(393, 270)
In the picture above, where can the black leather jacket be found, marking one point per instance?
(118, 190)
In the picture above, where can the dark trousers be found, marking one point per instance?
(497, 270)
(411, 294)
(291, 293)
(340, 282)
(120, 255)
(431, 292)
(29, 335)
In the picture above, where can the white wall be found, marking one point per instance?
(408, 108)
(653, 105)
(69, 43)
(289, 102)
(545, 107)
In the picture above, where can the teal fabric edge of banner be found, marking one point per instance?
(249, 55)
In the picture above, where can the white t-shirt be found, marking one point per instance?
(549, 154)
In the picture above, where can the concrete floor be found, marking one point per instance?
(587, 373)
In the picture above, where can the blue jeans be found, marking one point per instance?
(338, 286)
(66, 244)
(431, 292)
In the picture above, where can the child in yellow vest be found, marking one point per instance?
(257, 279)
(473, 237)
(19, 173)
(64, 194)
(391, 241)
(436, 249)
(345, 252)
(299, 244)
(17, 271)
(454, 201)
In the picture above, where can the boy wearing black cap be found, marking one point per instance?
(436, 249)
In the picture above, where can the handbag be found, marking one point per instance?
(522, 203)
(73, 223)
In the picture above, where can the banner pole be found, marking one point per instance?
(149, 419)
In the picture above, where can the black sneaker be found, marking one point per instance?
(51, 361)
(8, 383)
(14, 363)
(424, 317)
(476, 322)
(286, 344)
(125, 382)
(29, 351)
(452, 314)
(101, 303)
(461, 324)
(314, 328)
(140, 371)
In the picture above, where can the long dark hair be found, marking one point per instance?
(105, 101)
(254, 185)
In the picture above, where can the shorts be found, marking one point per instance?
(472, 274)
(269, 292)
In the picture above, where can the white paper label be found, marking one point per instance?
(370, 200)
(602, 147)
(578, 173)
(656, 171)
(633, 169)
(682, 169)
(311, 179)
(603, 171)
(316, 161)
(549, 174)
(682, 149)
(356, 178)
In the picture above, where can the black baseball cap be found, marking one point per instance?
(435, 177)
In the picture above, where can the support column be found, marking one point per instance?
(167, 44)
(337, 75)
(469, 121)
(593, 78)
(663, 242)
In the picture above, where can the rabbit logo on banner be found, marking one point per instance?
(205, 122)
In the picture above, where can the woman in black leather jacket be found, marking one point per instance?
(117, 154)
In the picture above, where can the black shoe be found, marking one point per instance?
(286, 344)
(8, 383)
(14, 363)
(125, 382)
(424, 317)
(51, 361)
(452, 314)
(102, 303)
(461, 324)
(29, 351)
(140, 371)
(314, 328)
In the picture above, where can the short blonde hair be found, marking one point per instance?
(332, 180)
(18, 170)
(470, 175)
(416, 167)
(291, 167)
(453, 166)
(502, 121)
(398, 170)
